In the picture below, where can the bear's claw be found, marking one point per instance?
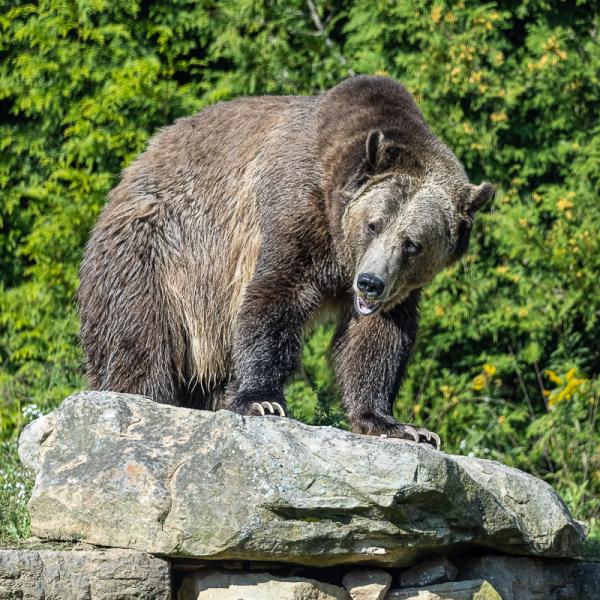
(273, 408)
(429, 437)
(386, 426)
(279, 409)
(419, 434)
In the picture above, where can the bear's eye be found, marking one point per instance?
(373, 228)
(412, 248)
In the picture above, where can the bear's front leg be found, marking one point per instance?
(369, 355)
(267, 343)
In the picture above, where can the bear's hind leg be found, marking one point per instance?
(129, 339)
(134, 364)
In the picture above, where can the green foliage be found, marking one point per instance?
(512, 87)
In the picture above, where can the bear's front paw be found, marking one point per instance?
(385, 426)
(261, 403)
(266, 408)
(418, 434)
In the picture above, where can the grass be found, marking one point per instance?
(16, 483)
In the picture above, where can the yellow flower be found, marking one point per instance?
(567, 392)
(536, 197)
(439, 310)
(490, 370)
(523, 312)
(479, 383)
(417, 409)
(446, 391)
(501, 419)
(502, 269)
(436, 13)
(551, 43)
(564, 204)
(553, 377)
(450, 18)
(468, 51)
(499, 117)
(571, 373)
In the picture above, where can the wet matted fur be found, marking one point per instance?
(237, 225)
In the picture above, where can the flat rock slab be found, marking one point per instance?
(460, 590)
(123, 471)
(228, 585)
(83, 575)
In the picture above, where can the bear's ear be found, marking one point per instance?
(477, 196)
(373, 146)
(383, 153)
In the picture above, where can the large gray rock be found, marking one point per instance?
(228, 585)
(123, 471)
(518, 578)
(83, 575)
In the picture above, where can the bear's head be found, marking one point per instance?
(407, 214)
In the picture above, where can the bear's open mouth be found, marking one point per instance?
(366, 307)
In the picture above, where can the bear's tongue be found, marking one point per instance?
(365, 307)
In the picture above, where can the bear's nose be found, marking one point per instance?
(370, 284)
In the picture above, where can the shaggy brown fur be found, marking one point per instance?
(233, 229)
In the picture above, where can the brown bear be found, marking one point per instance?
(238, 226)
